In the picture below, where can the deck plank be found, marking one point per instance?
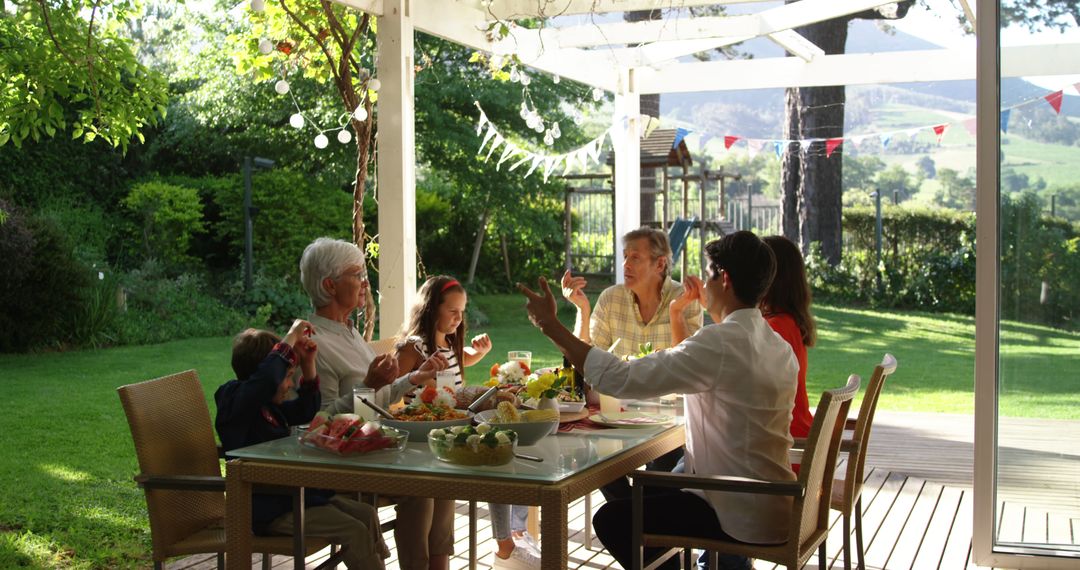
(915, 527)
(936, 535)
(957, 552)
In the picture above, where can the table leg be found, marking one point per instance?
(237, 519)
(472, 535)
(553, 521)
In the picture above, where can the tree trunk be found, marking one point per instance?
(811, 181)
(790, 171)
(363, 157)
(476, 247)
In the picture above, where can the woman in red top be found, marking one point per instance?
(787, 308)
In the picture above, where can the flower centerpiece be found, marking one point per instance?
(512, 373)
(548, 384)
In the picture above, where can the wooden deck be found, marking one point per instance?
(917, 499)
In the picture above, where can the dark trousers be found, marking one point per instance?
(669, 511)
(620, 488)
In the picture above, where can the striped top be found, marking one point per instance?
(452, 364)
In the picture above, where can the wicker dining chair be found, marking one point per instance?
(847, 488)
(180, 473)
(809, 520)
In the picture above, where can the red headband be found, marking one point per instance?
(449, 284)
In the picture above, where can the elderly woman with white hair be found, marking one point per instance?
(333, 274)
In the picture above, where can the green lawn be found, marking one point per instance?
(67, 499)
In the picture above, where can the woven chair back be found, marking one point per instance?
(856, 465)
(822, 446)
(173, 435)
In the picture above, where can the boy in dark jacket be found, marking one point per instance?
(254, 409)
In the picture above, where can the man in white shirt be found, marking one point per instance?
(739, 379)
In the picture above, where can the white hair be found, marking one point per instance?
(326, 257)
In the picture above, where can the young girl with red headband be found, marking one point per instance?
(437, 324)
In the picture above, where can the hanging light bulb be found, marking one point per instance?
(344, 136)
(555, 132)
(556, 79)
(321, 141)
(360, 114)
(548, 139)
(282, 86)
(374, 85)
(531, 120)
(265, 46)
(258, 5)
(578, 119)
(539, 126)
(525, 80)
(597, 93)
(514, 76)
(297, 121)
(524, 113)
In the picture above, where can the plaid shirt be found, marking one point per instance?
(617, 316)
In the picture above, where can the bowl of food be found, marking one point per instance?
(468, 445)
(434, 409)
(349, 434)
(531, 425)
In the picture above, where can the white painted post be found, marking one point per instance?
(397, 162)
(625, 138)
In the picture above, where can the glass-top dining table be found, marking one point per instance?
(574, 464)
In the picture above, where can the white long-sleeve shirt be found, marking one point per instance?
(739, 378)
(342, 361)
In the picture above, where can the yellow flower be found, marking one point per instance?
(493, 381)
(534, 390)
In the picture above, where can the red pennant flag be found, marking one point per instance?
(831, 144)
(970, 125)
(728, 141)
(1055, 100)
(939, 130)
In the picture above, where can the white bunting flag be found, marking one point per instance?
(494, 145)
(508, 151)
(527, 157)
(487, 137)
(536, 160)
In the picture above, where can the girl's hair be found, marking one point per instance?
(425, 315)
(790, 291)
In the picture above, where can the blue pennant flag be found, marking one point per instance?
(885, 140)
(680, 134)
(1005, 120)
(778, 146)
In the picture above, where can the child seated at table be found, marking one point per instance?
(437, 325)
(253, 409)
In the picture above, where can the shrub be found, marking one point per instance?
(293, 210)
(167, 216)
(274, 300)
(42, 282)
(161, 308)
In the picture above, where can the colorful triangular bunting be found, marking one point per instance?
(970, 125)
(1005, 120)
(939, 130)
(730, 140)
(1055, 100)
(831, 145)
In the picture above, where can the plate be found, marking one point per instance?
(633, 420)
(565, 407)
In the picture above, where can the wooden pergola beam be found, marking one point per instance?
(771, 21)
(517, 9)
(854, 69)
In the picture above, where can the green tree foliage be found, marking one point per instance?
(528, 211)
(65, 67)
(955, 190)
(167, 217)
(897, 179)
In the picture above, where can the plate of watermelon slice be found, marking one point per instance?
(349, 434)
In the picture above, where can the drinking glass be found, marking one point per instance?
(358, 407)
(523, 356)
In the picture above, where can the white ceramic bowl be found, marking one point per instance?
(529, 433)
